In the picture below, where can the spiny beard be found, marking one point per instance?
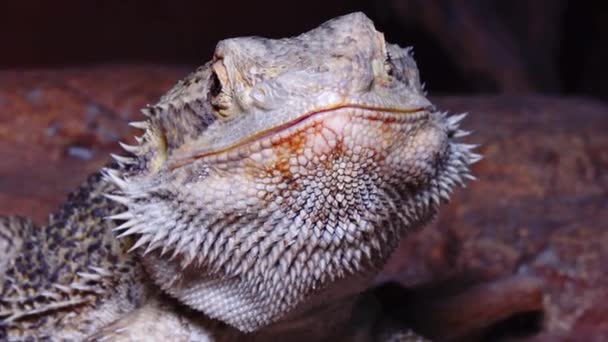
(218, 257)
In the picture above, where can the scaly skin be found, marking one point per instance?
(70, 277)
(268, 188)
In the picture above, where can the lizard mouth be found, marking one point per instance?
(373, 113)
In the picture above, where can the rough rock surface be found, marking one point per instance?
(519, 253)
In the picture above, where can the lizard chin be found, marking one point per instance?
(248, 239)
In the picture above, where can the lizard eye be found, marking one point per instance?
(388, 63)
(215, 86)
(219, 94)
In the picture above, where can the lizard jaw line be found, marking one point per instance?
(382, 112)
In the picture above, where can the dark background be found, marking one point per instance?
(462, 46)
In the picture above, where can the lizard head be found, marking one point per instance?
(284, 167)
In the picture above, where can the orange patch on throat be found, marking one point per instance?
(290, 147)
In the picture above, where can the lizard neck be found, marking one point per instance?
(72, 276)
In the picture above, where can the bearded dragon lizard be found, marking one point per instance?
(273, 181)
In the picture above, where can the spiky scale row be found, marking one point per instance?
(132, 226)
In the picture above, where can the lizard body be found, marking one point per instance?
(272, 181)
(71, 276)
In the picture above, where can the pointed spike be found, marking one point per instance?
(455, 177)
(100, 270)
(62, 288)
(470, 177)
(462, 133)
(155, 242)
(456, 159)
(139, 195)
(375, 244)
(129, 148)
(120, 199)
(191, 252)
(122, 160)
(447, 183)
(435, 199)
(189, 259)
(444, 194)
(469, 147)
(455, 119)
(151, 246)
(164, 250)
(181, 244)
(130, 231)
(176, 252)
(173, 237)
(89, 276)
(122, 216)
(474, 158)
(114, 177)
(139, 124)
(140, 242)
(170, 242)
(81, 287)
(49, 295)
(451, 170)
(160, 234)
(127, 224)
(347, 266)
(147, 111)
